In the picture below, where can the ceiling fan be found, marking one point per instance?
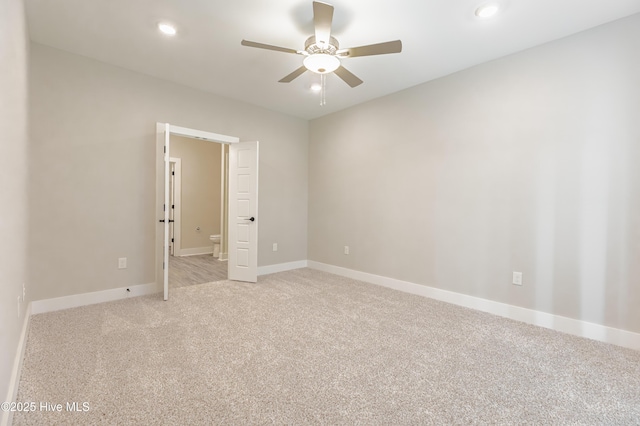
(322, 52)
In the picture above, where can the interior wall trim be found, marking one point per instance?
(575, 327)
(83, 299)
(281, 267)
(195, 251)
(6, 417)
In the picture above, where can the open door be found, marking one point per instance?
(243, 212)
(162, 197)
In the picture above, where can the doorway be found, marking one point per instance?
(238, 203)
(196, 205)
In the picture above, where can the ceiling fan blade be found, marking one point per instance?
(347, 76)
(372, 49)
(267, 46)
(297, 73)
(322, 17)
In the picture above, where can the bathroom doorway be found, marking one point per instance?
(197, 204)
(238, 198)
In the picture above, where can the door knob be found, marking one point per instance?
(251, 219)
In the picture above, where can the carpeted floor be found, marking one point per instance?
(307, 347)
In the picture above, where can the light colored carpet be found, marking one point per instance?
(306, 347)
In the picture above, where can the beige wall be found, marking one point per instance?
(92, 189)
(200, 190)
(13, 184)
(528, 163)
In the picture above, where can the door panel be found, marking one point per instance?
(243, 211)
(167, 208)
(162, 197)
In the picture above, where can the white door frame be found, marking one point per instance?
(224, 189)
(163, 154)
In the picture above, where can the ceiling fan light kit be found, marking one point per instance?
(321, 63)
(322, 52)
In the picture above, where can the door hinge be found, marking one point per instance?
(172, 240)
(173, 206)
(165, 149)
(162, 265)
(173, 173)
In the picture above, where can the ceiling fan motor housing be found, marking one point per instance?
(312, 48)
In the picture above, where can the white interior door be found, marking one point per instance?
(160, 142)
(243, 212)
(166, 207)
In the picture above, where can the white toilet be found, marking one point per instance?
(216, 244)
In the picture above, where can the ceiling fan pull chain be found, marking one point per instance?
(323, 84)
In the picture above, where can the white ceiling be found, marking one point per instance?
(439, 37)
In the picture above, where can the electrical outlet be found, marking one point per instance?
(275, 246)
(517, 278)
(346, 249)
(122, 263)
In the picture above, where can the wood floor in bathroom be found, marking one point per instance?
(190, 270)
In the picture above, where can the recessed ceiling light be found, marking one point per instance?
(167, 29)
(487, 10)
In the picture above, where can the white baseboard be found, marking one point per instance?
(223, 256)
(195, 251)
(76, 300)
(281, 267)
(566, 325)
(6, 417)
(73, 301)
